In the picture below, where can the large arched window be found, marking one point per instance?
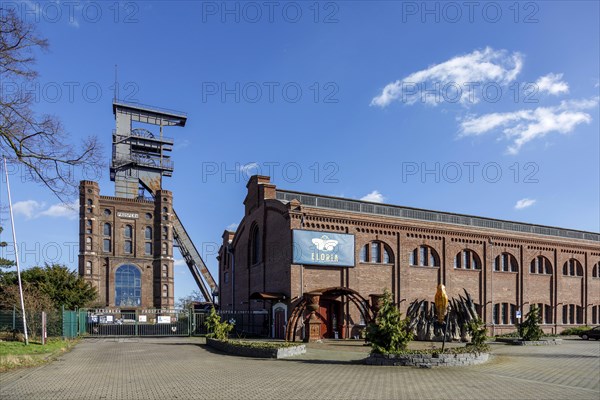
(541, 265)
(572, 267)
(506, 262)
(376, 252)
(128, 286)
(148, 233)
(424, 256)
(107, 229)
(467, 259)
(254, 245)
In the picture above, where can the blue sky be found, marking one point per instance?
(491, 110)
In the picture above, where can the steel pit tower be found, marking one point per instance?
(140, 160)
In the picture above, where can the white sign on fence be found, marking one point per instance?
(164, 319)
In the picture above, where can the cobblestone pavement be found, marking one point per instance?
(183, 368)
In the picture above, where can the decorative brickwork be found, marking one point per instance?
(498, 292)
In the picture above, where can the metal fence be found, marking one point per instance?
(246, 323)
(140, 322)
(11, 322)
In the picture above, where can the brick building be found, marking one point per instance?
(126, 248)
(506, 266)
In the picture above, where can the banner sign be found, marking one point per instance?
(323, 248)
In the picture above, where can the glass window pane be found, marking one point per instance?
(127, 286)
(363, 254)
(375, 252)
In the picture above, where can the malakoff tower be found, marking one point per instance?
(126, 241)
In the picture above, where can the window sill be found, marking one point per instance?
(506, 272)
(424, 266)
(468, 269)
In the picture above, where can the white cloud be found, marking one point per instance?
(374, 197)
(453, 77)
(62, 210)
(27, 208)
(523, 126)
(179, 262)
(524, 203)
(249, 169)
(232, 227)
(552, 83)
(35, 209)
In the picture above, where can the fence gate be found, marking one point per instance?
(137, 322)
(69, 324)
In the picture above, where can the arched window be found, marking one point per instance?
(467, 259)
(128, 286)
(148, 233)
(506, 262)
(504, 313)
(128, 244)
(165, 271)
(165, 234)
(148, 248)
(596, 270)
(572, 267)
(376, 252)
(254, 245)
(165, 251)
(88, 244)
(89, 202)
(88, 226)
(424, 256)
(540, 265)
(572, 314)
(165, 291)
(107, 229)
(88, 267)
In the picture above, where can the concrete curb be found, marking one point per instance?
(281, 352)
(427, 360)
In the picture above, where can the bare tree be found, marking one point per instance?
(37, 142)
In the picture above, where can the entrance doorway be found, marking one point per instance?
(330, 312)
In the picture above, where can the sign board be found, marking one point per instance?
(164, 319)
(122, 214)
(518, 313)
(323, 248)
(142, 318)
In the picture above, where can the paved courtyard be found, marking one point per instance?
(183, 368)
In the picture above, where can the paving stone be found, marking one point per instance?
(183, 368)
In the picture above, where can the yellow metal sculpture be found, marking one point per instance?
(441, 302)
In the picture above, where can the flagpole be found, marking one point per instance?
(12, 221)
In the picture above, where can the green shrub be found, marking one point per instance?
(389, 333)
(530, 330)
(576, 330)
(477, 331)
(219, 329)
